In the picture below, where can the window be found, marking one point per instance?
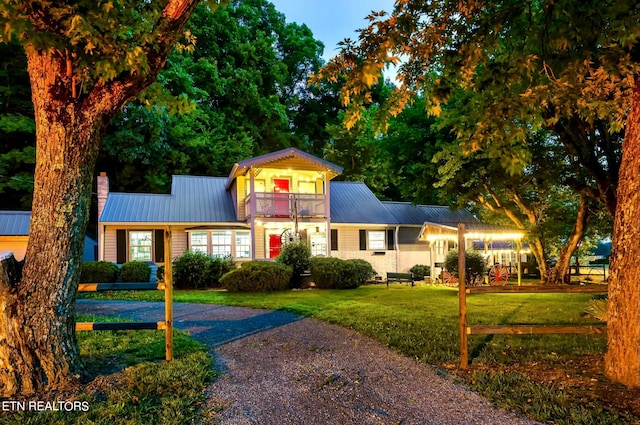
(376, 240)
(140, 243)
(198, 242)
(243, 245)
(318, 244)
(221, 244)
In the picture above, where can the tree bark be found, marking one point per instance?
(37, 342)
(38, 346)
(577, 233)
(622, 360)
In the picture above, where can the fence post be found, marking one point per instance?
(168, 294)
(462, 298)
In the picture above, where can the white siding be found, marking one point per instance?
(110, 245)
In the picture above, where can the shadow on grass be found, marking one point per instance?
(484, 342)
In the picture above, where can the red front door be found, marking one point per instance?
(281, 189)
(275, 244)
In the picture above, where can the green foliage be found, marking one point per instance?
(17, 129)
(258, 276)
(98, 272)
(196, 270)
(364, 270)
(135, 271)
(334, 273)
(295, 255)
(475, 264)
(597, 308)
(420, 270)
(245, 80)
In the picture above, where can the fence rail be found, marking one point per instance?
(166, 286)
(529, 329)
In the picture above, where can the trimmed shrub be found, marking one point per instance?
(419, 271)
(333, 273)
(217, 268)
(135, 271)
(98, 272)
(364, 270)
(196, 270)
(258, 276)
(295, 255)
(474, 261)
(189, 270)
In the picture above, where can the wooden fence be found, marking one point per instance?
(166, 286)
(466, 330)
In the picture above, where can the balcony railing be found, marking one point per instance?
(284, 204)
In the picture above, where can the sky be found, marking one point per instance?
(331, 21)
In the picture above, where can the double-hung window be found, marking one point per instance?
(243, 244)
(140, 244)
(199, 242)
(376, 240)
(221, 243)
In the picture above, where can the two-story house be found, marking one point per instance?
(268, 201)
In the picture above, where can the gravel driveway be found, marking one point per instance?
(280, 368)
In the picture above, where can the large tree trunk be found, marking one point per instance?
(37, 338)
(570, 246)
(38, 348)
(622, 360)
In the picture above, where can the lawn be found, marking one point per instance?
(540, 376)
(130, 384)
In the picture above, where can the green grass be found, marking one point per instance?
(143, 389)
(422, 323)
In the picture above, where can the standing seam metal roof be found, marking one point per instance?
(193, 199)
(14, 223)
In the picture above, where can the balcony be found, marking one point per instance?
(284, 205)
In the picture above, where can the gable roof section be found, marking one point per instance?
(283, 159)
(193, 199)
(353, 202)
(14, 223)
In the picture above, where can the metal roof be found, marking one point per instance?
(407, 213)
(193, 199)
(14, 223)
(353, 202)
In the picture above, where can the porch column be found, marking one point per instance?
(252, 210)
(327, 211)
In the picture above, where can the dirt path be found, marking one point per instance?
(280, 368)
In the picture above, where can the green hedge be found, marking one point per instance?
(258, 276)
(475, 264)
(334, 273)
(364, 270)
(196, 270)
(419, 271)
(295, 255)
(135, 271)
(98, 272)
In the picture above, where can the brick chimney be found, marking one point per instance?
(103, 192)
